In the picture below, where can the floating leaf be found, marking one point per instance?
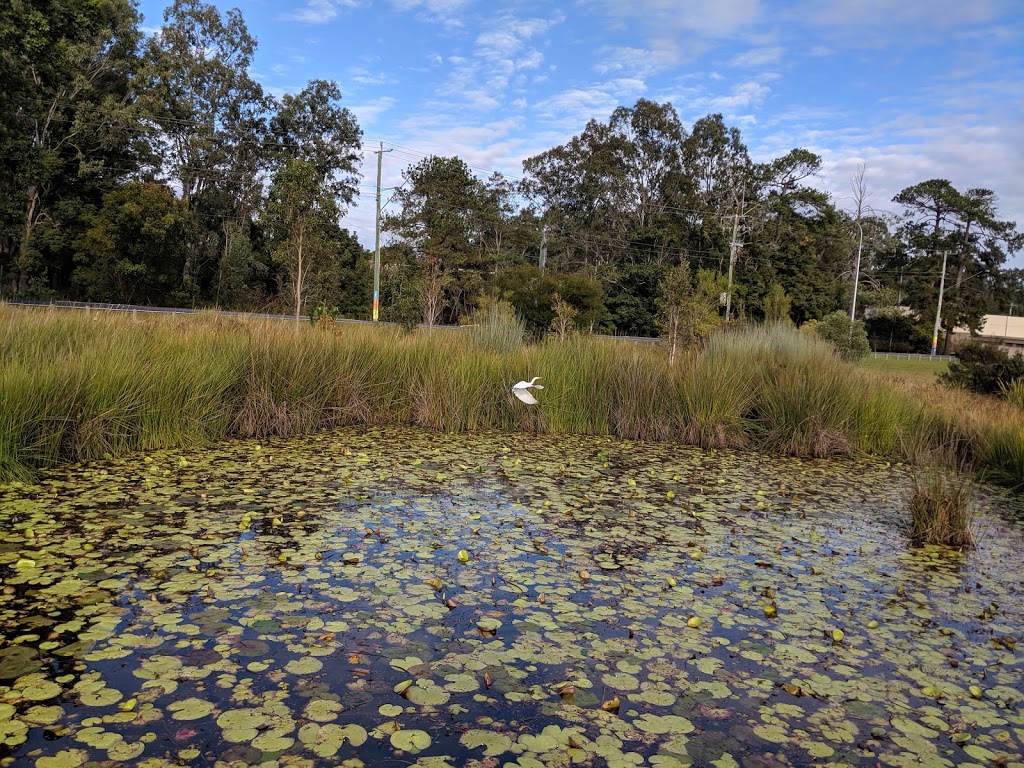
(411, 740)
(493, 743)
(190, 709)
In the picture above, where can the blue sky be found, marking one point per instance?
(914, 89)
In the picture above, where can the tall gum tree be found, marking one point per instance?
(66, 95)
(299, 215)
(206, 115)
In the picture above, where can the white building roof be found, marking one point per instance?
(997, 327)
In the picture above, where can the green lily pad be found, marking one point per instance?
(493, 743)
(410, 740)
(190, 709)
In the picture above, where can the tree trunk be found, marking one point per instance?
(19, 279)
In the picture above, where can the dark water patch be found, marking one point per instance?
(396, 597)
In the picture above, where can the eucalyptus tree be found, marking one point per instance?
(609, 193)
(314, 127)
(799, 239)
(299, 216)
(206, 117)
(442, 216)
(66, 71)
(721, 182)
(314, 150)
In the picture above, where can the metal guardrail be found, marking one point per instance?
(913, 356)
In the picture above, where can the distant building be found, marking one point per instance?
(1005, 331)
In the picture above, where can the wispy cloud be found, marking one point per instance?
(369, 112)
(319, 11)
(758, 57)
(712, 18)
(448, 12)
(573, 107)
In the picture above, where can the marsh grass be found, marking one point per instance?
(1013, 391)
(78, 387)
(940, 506)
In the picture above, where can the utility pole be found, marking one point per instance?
(542, 259)
(938, 311)
(376, 249)
(733, 245)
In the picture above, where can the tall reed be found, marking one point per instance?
(76, 387)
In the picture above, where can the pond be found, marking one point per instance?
(399, 597)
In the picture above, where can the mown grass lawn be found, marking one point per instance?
(918, 370)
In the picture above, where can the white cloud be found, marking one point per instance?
(640, 62)
(758, 57)
(368, 112)
(572, 108)
(505, 43)
(365, 76)
(713, 18)
(448, 12)
(319, 11)
(852, 15)
(744, 96)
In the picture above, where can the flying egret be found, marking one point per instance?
(522, 390)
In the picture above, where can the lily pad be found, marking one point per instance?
(410, 740)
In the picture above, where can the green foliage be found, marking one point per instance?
(895, 330)
(776, 305)
(1013, 391)
(135, 249)
(849, 339)
(532, 291)
(983, 368)
(300, 217)
(323, 315)
(563, 324)
(688, 313)
(631, 292)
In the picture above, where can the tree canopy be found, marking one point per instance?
(154, 169)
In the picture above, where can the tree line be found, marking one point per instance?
(154, 169)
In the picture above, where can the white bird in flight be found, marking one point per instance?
(522, 390)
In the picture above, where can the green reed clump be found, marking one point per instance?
(881, 416)
(940, 507)
(713, 393)
(644, 406)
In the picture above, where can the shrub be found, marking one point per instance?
(849, 338)
(983, 368)
(323, 315)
